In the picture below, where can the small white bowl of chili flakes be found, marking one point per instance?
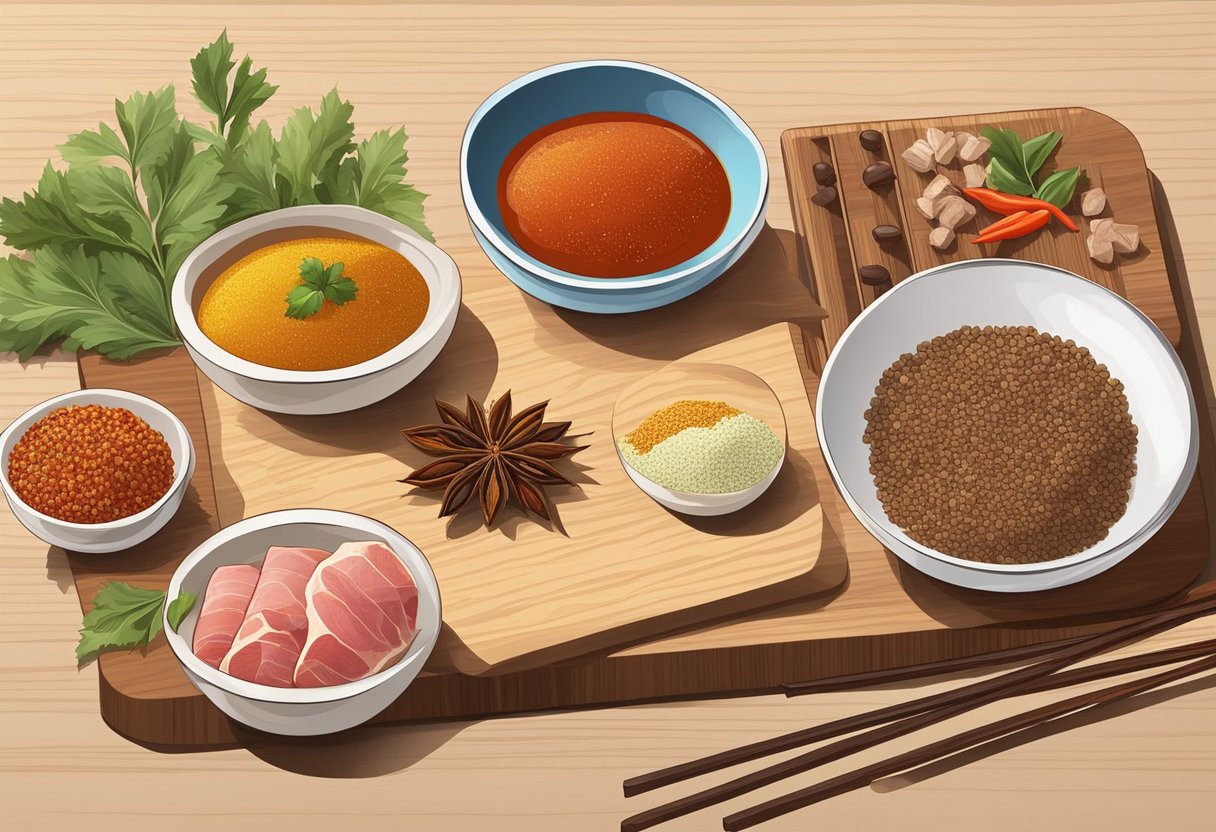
(96, 470)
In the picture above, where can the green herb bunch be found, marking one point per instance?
(1014, 164)
(105, 236)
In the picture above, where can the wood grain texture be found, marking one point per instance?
(884, 614)
(521, 595)
(151, 563)
(1149, 64)
(1108, 153)
(865, 208)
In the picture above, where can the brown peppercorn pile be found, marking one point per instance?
(90, 464)
(1001, 445)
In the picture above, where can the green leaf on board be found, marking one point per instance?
(1002, 178)
(1059, 187)
(179, 608)
(1006, 146)
(123, 617)
(1035, 151)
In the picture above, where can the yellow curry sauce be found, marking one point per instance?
(243, 310)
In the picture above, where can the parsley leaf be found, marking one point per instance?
(249, 91)
(122, 617)
(107, 192)
(187, 199)
(209, 75)
(147, 122)
(110, 302)
(321, 283)
(253, 175)
(373, 179)
(89, 146)
(311, 146)
(232, 107)
(51, 214)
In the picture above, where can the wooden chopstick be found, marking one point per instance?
(1080, 675)
(854, 681)
(763, 748)
(865, 776)
(870, 678)
(918, 714)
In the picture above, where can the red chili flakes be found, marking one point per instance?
(90, 464)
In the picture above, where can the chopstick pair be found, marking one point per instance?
(863, 777)
(897, 720)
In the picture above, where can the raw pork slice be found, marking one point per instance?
(362, 615)
(268, 643)
(224, 605)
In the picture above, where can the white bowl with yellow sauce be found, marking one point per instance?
(229, 303)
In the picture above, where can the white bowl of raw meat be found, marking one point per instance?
(306, 621)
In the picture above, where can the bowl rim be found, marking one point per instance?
(421, 572)
(19, 426)
(1068, 561)
(540, 270)
(337, 218)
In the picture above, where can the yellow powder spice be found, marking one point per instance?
(243, 310)
(670, 420)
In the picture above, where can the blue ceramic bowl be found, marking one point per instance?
(564, 90)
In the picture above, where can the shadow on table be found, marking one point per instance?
(57, 569)
(762, 289)
(467, 365)
(367, 751)
(1090, 716)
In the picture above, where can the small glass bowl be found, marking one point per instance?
(712, 382)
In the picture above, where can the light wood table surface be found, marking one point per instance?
(1150, 64)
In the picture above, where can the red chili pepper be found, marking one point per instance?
(1003, 203)
(1002, 223)
(1015, 225)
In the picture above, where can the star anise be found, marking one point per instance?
(497, 456)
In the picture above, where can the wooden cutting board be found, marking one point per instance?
(523, 594)
(837, 239)
(878, 613)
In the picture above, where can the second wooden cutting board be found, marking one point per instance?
(616, 569)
